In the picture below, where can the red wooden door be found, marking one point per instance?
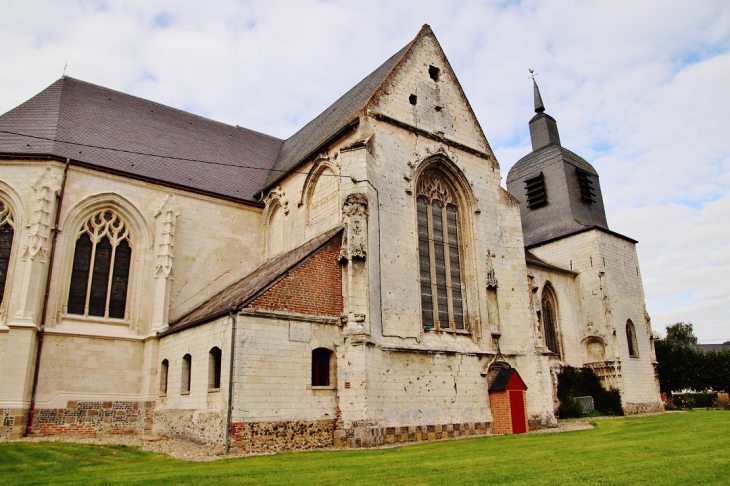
(517, 409)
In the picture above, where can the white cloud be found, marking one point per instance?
(637, 88)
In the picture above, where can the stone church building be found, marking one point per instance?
(365, 281)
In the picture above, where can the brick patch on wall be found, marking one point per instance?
(79, 417)
(314, 288)
(282, 436)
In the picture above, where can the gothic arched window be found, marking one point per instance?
(631, 339)
(550, 318)
(7, 231)
(442, 301)
(100, 274)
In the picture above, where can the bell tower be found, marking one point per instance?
(559, 191)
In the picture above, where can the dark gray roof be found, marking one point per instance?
(239, 294)
(91, 116)
(501, 379)
(533, 260)
(712, 347)
(342, 112)
(539, 159)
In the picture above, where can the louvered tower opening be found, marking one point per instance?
(585, 183)
(536, 193)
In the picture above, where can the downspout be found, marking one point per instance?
(230, 380)
(42, 329)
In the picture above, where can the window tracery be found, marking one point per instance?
(442, 300)
(100, 272)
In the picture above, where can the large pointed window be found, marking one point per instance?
(7, 231)
(550, 318)
(100, 274)
(442, 302)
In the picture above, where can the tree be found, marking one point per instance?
(681, 366)
(681, 333)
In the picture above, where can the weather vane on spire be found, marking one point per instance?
(532, 74)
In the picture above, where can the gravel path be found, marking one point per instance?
(188, 451)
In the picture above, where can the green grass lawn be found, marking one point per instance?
(682, 448)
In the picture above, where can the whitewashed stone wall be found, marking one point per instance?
(610, 292)
(273, 375)
(199, 414)
(215, 243)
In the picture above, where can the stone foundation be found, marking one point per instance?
(651, 407)
(370, 436)
(13, 423)
(282, 436)
(122, 417)
(542, 421)
(201, 427)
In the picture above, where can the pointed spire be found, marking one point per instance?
(539, 107)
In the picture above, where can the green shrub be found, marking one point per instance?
(695, 400)
(576, 382)
(570, 408)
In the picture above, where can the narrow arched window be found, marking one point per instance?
(439, 259)
(631, 339)
(187, 372)
(550, 318)
(100, 273)
(164, 368)
(321, 366)
(7, 231)
(275, 231)
(214, 368)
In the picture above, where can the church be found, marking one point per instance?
(366, 281)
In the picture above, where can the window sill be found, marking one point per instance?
(162, 395)
(94, 319)
(214, 390)
(185, 393)
(446, 331)
(313, 387)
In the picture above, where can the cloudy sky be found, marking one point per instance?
(636, 87)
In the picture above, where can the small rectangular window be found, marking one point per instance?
(536, 192)
(321, 367)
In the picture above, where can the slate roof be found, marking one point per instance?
(532, 259)
(71, 110)
(711, 347)
(75, 119)
(241, 293)
(342, 112)
(539, 159)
